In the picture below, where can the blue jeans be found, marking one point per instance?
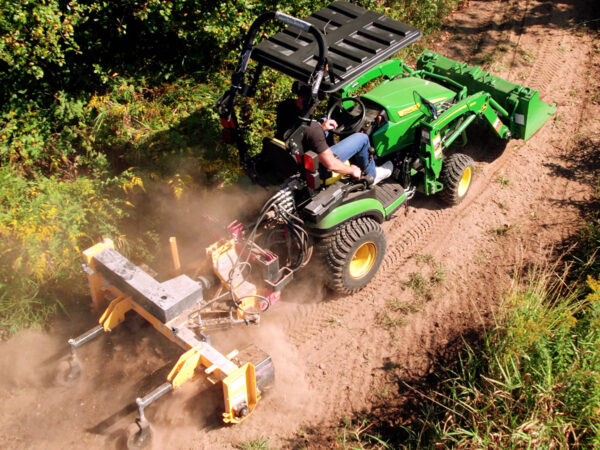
(357, 146)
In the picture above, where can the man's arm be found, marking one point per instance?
(329, 160)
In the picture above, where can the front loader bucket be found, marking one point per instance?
(526, 112)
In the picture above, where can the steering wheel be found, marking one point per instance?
(349, 120)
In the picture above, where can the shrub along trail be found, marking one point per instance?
(442, 278)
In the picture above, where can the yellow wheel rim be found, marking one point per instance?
(465, 181)
(363, 259)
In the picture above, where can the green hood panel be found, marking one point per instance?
(396, 96)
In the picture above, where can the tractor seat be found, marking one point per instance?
(329, 177)
(318, 175)
(276, 160)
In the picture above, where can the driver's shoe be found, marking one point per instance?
(383, 172)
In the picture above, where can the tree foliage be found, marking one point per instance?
(100, 100)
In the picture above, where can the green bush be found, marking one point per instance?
(44, 225)
(53, 140)
(36, 37)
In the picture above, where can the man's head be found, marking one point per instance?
(302, 91)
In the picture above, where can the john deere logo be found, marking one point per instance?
(405, 111)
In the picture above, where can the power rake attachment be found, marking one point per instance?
(240, 278)
(181, 311)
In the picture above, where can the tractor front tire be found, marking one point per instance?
(456, 176)
(352, 254)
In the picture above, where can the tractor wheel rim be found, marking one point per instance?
(363, 259)
(465, 181)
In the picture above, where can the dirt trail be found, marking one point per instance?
(444, 270)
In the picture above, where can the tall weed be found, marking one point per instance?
(44, 224)
(536, 380)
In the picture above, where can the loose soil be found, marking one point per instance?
(443, 275)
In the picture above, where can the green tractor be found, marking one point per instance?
(411, 117)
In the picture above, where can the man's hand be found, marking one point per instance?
(330, 161)
(329, 124)
(356, 172)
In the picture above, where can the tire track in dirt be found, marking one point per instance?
(338, 349)
(426, 228)
(549, 59)
(403, 236)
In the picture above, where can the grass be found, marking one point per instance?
(501, 230)
(535, 382)
(503, 206)
(386, 320)
(438, 275)
(334, 321)
(503, 181)
(261, 443)
(395, 314)
(527, 56)
(557, 119)
(424, 259)
(22, 312)
(422, 286)
(357, 435)
(418, 284)
(403, 307)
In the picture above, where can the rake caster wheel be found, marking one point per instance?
(68, 372)
(456, 176)
(139, 435)
(352, 254)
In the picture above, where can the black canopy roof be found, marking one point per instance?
(356, 40)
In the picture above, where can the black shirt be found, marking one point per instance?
(314, 138)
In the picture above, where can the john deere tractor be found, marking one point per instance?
(411, 118)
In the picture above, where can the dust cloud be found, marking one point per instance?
(97, 410)
(197, 220)
(193, 416)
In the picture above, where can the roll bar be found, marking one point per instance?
(237, 79)
(227, 101)
(288, 20)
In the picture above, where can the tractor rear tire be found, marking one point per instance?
(456, 176)
(352, 254)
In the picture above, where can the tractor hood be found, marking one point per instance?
(397, 98)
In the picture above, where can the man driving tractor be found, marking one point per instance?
(317, 138)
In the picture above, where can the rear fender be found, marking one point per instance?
(368, 207)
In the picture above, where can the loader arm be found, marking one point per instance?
(525, 112)
(438, 134)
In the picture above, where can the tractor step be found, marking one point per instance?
(390, 194)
